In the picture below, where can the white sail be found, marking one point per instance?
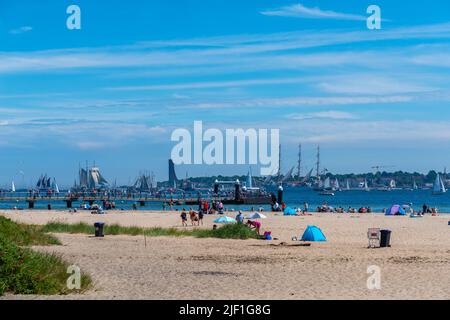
(415, 185)
(56, 188)
(392, 184)
(348, 185)
(443, 190)
(13, 187)
(326, 183)
(366, 187)
(336, 183)
(249, 183)
(288, 175)
(438, 186)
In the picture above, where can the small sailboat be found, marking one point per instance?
(392, 184)
(415, 187)
(13, 187)
(336, 184)
(439, 187)
(327, 184)
(366, 187)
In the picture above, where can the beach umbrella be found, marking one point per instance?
(225, 219)
(256, 215)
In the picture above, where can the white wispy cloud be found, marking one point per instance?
(297, 102)
(372, 84)
(331, 114)
(21, 30)
(300, 11)
(236, 52)
(211, 84)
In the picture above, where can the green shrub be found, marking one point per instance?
(23, 234)
(229, 231)
(24, 271)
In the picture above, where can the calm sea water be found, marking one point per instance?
(295, 197)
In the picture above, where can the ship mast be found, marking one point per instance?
(318, 164)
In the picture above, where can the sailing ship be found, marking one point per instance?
(91, 178)
(145, 182)
(46, 183)
(327, 189)
(439, 187)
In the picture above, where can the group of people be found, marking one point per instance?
(215, 207)
(252, 224)
(195, 217)
(276, 207)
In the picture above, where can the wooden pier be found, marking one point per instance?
(139, 199)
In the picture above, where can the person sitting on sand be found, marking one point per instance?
(254, 225)
(183, 218)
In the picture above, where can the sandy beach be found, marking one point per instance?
(417, 266)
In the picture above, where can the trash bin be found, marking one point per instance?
(385, 238)
(99, 229)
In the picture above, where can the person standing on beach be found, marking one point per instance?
(200, 217)
(240, 217)
(193, 216)
(424, 208)
(305, 207)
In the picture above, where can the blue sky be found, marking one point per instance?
(114, 90)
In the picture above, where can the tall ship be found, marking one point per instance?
(145, 182)
(46, 184)
(91, 178)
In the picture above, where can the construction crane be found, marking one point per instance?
(377, 168)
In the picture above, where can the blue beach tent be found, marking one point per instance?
(395, 210)
(289, 212)
(312, 233)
